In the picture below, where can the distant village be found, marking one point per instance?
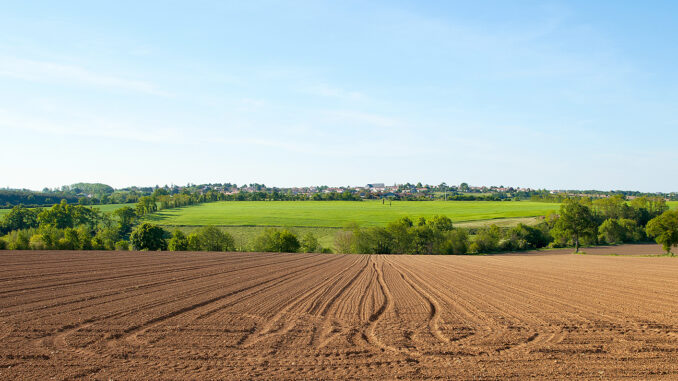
(96, 193)
(427, 191)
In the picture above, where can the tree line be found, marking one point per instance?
(579, 222)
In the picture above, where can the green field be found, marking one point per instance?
(339, 213)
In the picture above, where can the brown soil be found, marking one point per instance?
(126, 315)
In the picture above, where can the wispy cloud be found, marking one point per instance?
(363, 118)
(325, 90)
(90, 127)
(45, 71)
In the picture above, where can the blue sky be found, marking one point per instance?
(572, 95)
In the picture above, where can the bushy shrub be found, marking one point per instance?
(275, 240)
(122, 245)
(523, 237)
(36, 243)
(148, 237)
(19, 239)
(70, 240)
(343, 241)
(621, 230)
(456, 242)
(309, 243)
(178, 242)
(486, 240)
(105, 239)
(209, 238)
(3, 244)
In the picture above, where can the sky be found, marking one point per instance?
(540, 94)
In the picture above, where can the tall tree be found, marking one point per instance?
(576, 221)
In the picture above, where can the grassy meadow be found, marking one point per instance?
(335, 214)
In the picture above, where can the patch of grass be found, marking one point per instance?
(244, 235)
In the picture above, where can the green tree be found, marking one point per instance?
(620, 230)
(18, 218)
(70, 240)
(105, 238)
(664, 229)
(126, 218)
(57, 216)
(486, 240)
(576, 221)
(523, 237)
(275, 240)
(148, 237)
(455, 242)
(400, 231)
(19, 239)
(309, 243)
(122, 245)
(178, 242)
(211, 238)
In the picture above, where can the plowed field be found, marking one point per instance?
(68, 315)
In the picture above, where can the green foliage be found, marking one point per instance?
(148, 237)
(178, 242)
(309, 243)
(622, 230)
(210, 238)
(193, 242)
(122, 245)
(276, 240)
(19, 217)
(433, 236)
(19, 239)
(486, 240)
(576, 221)
(105, 238)
(70, 240)
(664, 229)
(523, 237)
(126, 218)
(64, 215)
(3, 244)
(146, 205)
(343, 241)
(96, 189)
(456, 242)
(648, 208)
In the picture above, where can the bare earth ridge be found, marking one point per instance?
(127, 315)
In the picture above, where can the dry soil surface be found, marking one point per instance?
(128, 315)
